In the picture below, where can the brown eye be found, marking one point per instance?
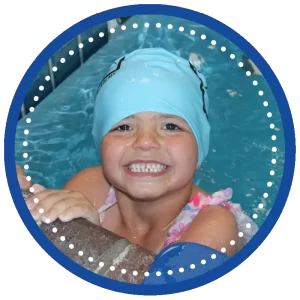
(122, 128)
(172, 127)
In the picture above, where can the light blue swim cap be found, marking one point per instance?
(153, 80)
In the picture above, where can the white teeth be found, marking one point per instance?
(153, 168)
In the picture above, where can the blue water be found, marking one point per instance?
(60, 141)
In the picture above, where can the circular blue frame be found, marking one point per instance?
(147, 9)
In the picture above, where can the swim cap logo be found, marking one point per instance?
(202, 88)
(110, 74)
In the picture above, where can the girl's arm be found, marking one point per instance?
(23, 182)
(214, 227)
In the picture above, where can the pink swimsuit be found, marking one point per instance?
(192, 208)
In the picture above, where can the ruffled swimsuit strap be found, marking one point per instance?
(109, 202)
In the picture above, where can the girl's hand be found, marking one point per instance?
(61, 204)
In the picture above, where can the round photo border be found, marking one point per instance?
(150, 9)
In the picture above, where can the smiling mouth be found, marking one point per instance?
(147, 168)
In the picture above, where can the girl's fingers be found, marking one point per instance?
(59, 207)
(76, 211)
(80, 211)
(45, 199)
(49, 205)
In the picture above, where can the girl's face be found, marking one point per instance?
(149, 154)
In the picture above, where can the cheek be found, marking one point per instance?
(111, 151)
(185, 152)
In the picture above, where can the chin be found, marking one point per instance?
(145, 193)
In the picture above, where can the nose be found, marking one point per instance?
(146, 140)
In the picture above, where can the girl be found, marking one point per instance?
(152, 129)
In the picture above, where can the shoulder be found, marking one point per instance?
(215, 227)
(92, 183)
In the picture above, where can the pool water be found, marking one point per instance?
(60, 142)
